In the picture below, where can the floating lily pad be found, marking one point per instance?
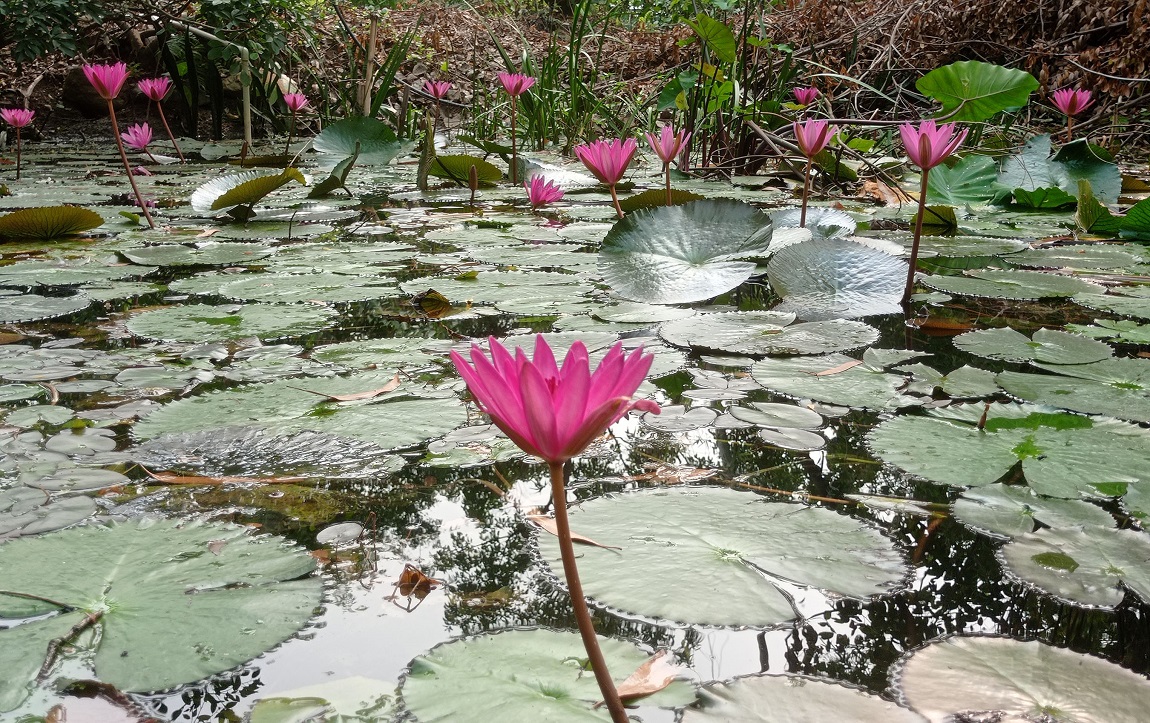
(1062, 455)
(203, 323)
(826, 379)
(48, 222)
(1133, 302)
(348, 700)
(68, 273)
(1007, 511)
(966, 382)
(207, 254)
(178, 601)
(520, 675)
(734, 544)
(681, 254)
(241, 189)
(29, 511)
(793, 699)
(393, 353)
(766, 332)
(822, 223)
(1119, 330)
(1012, 285)
(799, 440)
(308, 288)
(1087, 566)
(990, 677)
(1118, 387)
(836, 279)
(21, 308)
(765, 414)
(1079, 256)
(677, 418)
(1047, 345)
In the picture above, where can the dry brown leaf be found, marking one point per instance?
(9, 338)
(548, 524)
(412, 582)
(357, 396)
(936, 326)
(884, 194)
(656, 673)
(207, 233)
(836, 370)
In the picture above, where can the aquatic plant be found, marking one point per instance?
(156, 89)
(927, 146)
(667, 145)
(812, 137)
(137, 137)
(17, 118)
(1071, 103)
(805, 96)
(608, 161)
(554, 414)
(108, 80)
(515, 85)
(541, 192)
(295, 103)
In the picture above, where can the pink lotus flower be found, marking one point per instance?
(668, 144)
(108, 80)
(138, 136)
(607, 160)
(805, 96)
(930, 144)
(1072, 102)
(436, 88)
(17, 117)
(516, 84)
(155, 88)
(541, 192)
(295, 101)
(813, 135)
(550, 412)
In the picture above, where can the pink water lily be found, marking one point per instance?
(548, 411)
(295, 101)
(108, 80)
(155, 88)
(515, 84)
(17, 118)
(811, 137)
(667, 146)
(805, 96)
(608, 161)
(1071, 103)
(541, 192)
(436, 88)
(930, 144)
(138, 136)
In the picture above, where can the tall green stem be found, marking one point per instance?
(917, 236)
(291, 131)
(806, 192)
(514, 156)
(128, 166)
(667, 173)
(615, 200)
(17, 154)
(172, 138)
(582, 614)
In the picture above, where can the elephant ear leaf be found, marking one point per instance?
(241, 189)
(974, 91)
(48, 222)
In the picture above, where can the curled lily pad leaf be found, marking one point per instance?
(680, 254)
(1006, 511)
(337, 178)
(21, 308)
(457, 168)
(733, 544)
(972, 675)
(790, 699)
(177, 602)
(1047, 345)
(48, 222)
(997, 284)
(1062, 455)
(201, 322)
(835, 379)
(241, 189)
(836, 279)
(1088, 566)
(1118, 387)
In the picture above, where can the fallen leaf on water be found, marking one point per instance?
(357, 396)
(888, 195)
(941, 327)
(207, 232)
(412, 581)
(548, 524)
(656, 673)
(836, 370)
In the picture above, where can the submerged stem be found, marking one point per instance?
(128, 166)
(575, 587)
(917, 236)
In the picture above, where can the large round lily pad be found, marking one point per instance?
(1046, 345)
(680, 254)
(520, 675)
(1021, 681)
(212, 253)
(21, 308)
(766, 332)
(1009, 510)
(793, 699)
(1088, 566)
(834, 379)
(1118, 387)
(998, 284)
(308, 288)
(204, 323)
(178, 601)
(710, 556)
(836, 279)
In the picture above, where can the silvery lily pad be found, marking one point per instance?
(836, 279)
(766, 332)
(1125, 301)
(305, 288)
(1047, 345)
(829, 379)
(677, 418)
(823, 223)
(1118, 387)
(1010, 510)
(1088, 566)
(200, 322)
(722, 535)
(1021, 285)
(212, 253)
(989, 677)
(29, 511)
(799, 440)
(793, 699)
(21, 308)
(765, 414)
(680, 254)
(1078, 256)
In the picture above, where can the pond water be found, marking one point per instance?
(201, 353)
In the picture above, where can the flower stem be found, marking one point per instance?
(667, 173)
(291, 130)
(17, 154)
(1069, 128)
(615, 198)
(917, 236)
(164, 120)
(575, 587)
(514, 156)
(806, 192)
(128, 166)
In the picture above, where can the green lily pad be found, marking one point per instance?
(1133, 302)
(241, 189)
(815, 378)
(1047, 345)
(1007, 511)
(1062, 455)
(1035, 169)
(179, 601)
(457, 168)
(966, 382)
(203, 323)
(1043, 198)
(21, 308)
(348, 700)
(377, 144)
(790, 699)
(308, 288)
(70, 272)
(654, 197)
(1119, 330)
(1012, 285)
(1118, 387)
(973, 91)
(1014, 680)
(337, 178)
(822, 223)
(969, 182)
(677, 418)
(681, 254)
(30, 511)
(765, 414)
(48, 222)
(1087, 566)
(766, 332)
(719, 534)
(836, 279)
(211, 253)
(1078, 256)
(521, 675)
